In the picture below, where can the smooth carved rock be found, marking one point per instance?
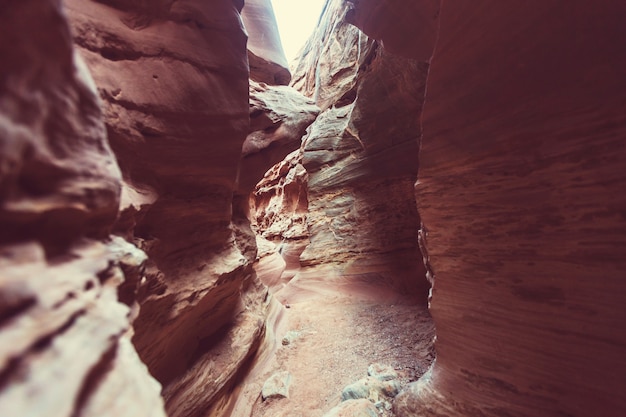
(267, 59)
(394, 22)
(521, 192)
(58, 177)
(174, 80)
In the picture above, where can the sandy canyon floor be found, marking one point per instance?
(326, 339)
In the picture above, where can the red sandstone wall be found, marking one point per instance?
(521, 188)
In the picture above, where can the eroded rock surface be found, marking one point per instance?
(279, 117)
(265, 51)
(174, 80)
(280, 205)
(361, 155)
(521, 191)
(354, 408)
(64, 315)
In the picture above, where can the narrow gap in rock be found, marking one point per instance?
(336, 226)
(296, 22)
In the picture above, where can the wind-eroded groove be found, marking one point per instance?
(122, 54)
(94, 378)
(14, 369)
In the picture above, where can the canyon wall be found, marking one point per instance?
(161, 160)
(65, 320)
(521, 192)
(174, 80)
(123, 202)
(265, 50)
(360, 156)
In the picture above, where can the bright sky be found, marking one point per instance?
(296, 21)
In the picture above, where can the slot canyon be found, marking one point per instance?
(423, 216)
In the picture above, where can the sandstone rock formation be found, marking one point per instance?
(174, 79)
(265, 51)
(64, 322)
(279, 117)
(361, 155)
(521, 191)
(126, 257)
(279, 207)
(354, 408)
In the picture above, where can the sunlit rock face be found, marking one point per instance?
(521, 190)
(361, 155)
(174, 80)
(65, 312)
(279, 117)
(265, 51)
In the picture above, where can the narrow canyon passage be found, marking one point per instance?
(337, 229)
(423, 216)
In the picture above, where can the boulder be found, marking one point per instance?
(277, 386)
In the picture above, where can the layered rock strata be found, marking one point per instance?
(174, 81)
(279, 207)
(65, 314)
(521, 190)
(361, 155)
(279, 118)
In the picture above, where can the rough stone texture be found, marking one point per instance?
(361, 155)
(265, 51)
(174, 80)
(66, 288)
(521, 189)
(65, 343)
(279, 117)
(382, 372)
(279, 206)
